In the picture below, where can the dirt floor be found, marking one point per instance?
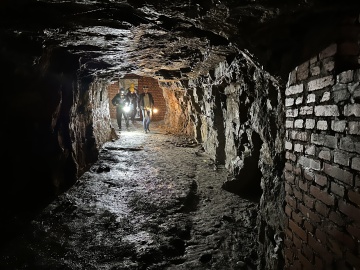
(152, 201)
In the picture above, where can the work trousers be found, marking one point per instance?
(146, 114)
(119, 115)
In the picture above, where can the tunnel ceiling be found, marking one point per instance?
(169, 39)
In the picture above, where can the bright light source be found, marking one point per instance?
(126, 108)
(155, 110)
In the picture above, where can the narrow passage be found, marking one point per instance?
(152, 201)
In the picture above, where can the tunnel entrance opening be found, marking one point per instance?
(138, 83)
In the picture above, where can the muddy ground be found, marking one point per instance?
(152, 201)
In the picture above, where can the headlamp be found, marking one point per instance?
(126, 108)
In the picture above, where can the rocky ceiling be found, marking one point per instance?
(169, 39)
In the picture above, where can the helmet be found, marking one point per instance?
(132, 88)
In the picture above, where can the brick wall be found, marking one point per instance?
(113, 88)
(322, 170)
(154, 89)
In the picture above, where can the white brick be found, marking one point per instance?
(310, 98)
(346, 76)
(321, 125)
(288, 145)
(298, 148)
(325, 154)
(310, 150)
(354, 127)
(294, 89)
(310, 123)
(289, 124)
(325, 97)
(338, 125)
(299, 123)
(320, 83)
(299, 100)
(289, 102)
(292, 113)
(306, 110)
(327, 110)
(352, 109)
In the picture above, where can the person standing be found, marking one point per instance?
(146, 104)
(133, 99)
(121, 101)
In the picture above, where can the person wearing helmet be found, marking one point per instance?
(133, 99)
(121, 101)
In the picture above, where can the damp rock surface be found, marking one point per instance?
(151, 201)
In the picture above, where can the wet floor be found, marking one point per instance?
(152, 201)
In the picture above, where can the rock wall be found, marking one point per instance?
(80, 121)
(90, 123)
(177, 118)
(50, 115)
(237, 113)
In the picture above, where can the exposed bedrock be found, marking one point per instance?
(237, 112)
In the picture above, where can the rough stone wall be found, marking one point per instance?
(322, 171)
(177, 119)
(88, 113)
(204, 108)
(99, 110)
(52, 113)
(237, 112)
(79, 123)
(253, 112)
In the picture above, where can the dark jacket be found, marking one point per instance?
(120, 100)
(133, 98)
(141, 100)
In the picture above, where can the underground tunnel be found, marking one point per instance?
(253, 161)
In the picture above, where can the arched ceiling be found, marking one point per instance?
(170, 39)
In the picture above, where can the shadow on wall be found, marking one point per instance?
(246, 182)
